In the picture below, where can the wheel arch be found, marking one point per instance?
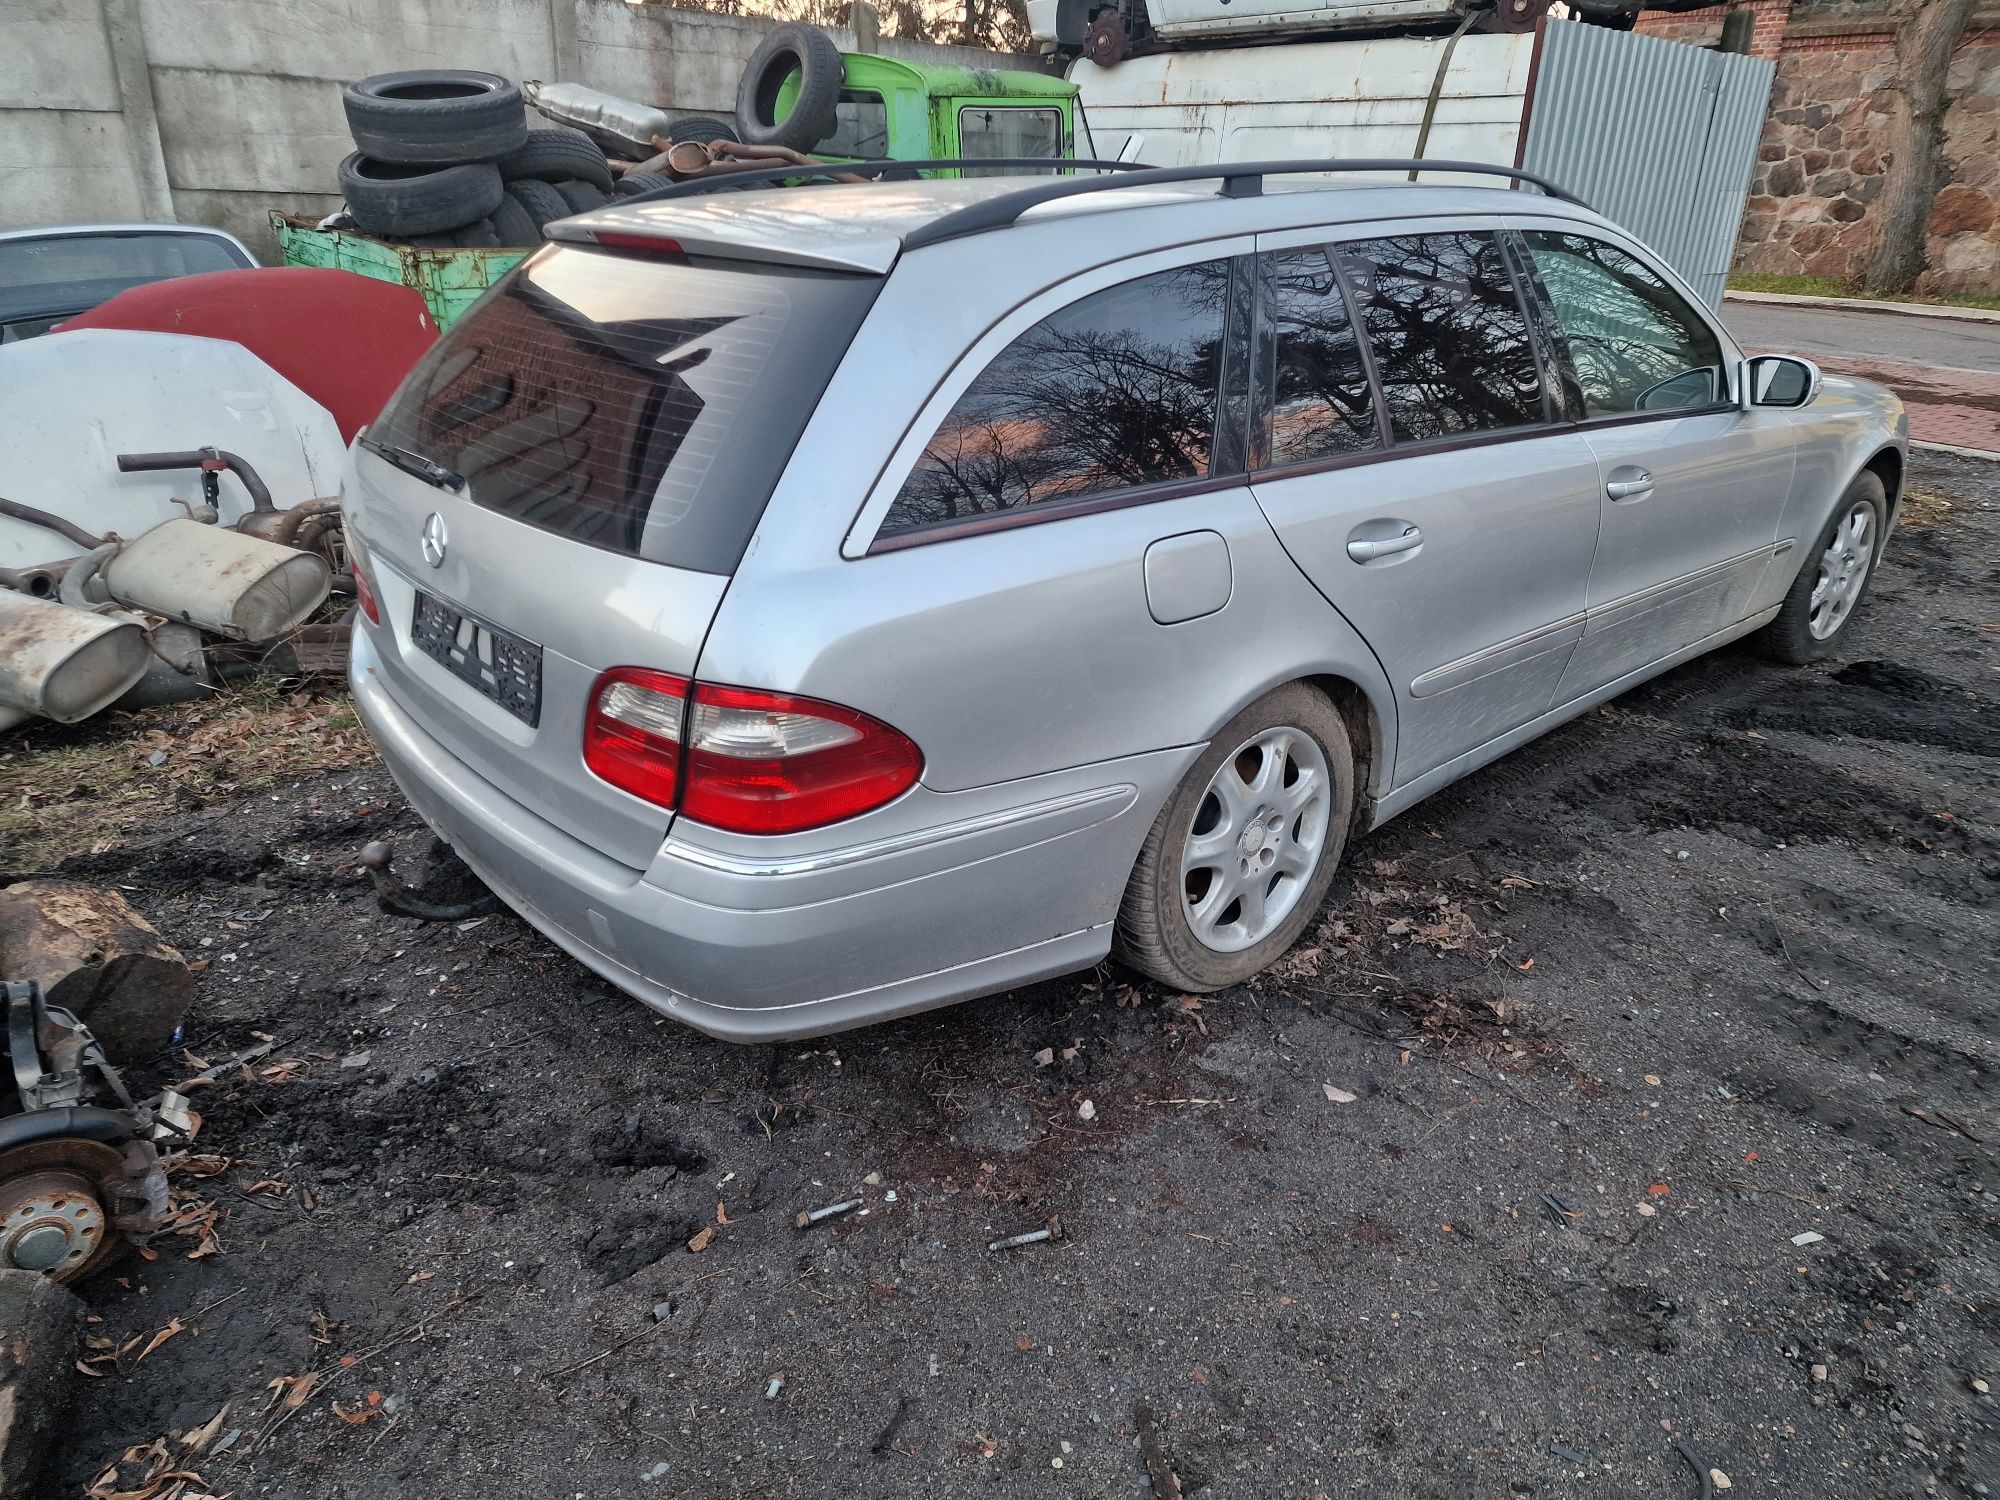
(1888, 465)
(1366, 732)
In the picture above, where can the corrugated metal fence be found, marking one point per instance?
(1658, 136)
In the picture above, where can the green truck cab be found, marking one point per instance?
(912, 111)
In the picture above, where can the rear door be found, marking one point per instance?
(1692, 489)
(1417, 475)
(565, 484)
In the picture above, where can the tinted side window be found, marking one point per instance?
(1320, 404)
(1114, 391)
(1448, 333)
(1635, 343)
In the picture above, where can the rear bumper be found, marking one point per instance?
(765, 947)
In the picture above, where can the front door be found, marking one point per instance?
(1692, 489)
(1437, 505)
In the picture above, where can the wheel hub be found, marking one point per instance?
(1256, 839)
(53, 1214)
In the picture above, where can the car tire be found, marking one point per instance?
(582, 196)
(436, 116)
(391, 198)
(541, 202)
(795, 48)
(1832, 579)
(701, 128)
(634, 183)
(1283, 767)
(480, 234)
(513, 224)
(556, 156)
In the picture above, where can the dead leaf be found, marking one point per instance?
(84, 1369)
(417, 1276)
(1516, 883)
(1526, 966)
(1044, 1057)
(355, 1417)
(200, 1437)
(296, 1389)
(701, 1239)
(1338, 1096)
(174, 1326)
(1658, 1190)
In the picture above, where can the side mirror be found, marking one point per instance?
(1781, 380)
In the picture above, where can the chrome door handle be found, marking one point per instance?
(1630, 489)
(1368, 551)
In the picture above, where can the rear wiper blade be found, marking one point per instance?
(428, 470)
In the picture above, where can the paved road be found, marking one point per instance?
(1774, 328)
(1946, 370)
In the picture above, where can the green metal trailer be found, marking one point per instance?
(449, 281)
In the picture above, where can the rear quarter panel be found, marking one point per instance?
(1023, 651)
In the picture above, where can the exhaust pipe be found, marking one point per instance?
(222, 581)
(65, 664)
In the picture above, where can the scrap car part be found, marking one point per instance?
(262, 519)
(65, 664)
(237, 586)
(396, 898)
(74, 1178)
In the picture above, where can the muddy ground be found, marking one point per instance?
(1708, 970)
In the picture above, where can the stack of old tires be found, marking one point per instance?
(446, 160)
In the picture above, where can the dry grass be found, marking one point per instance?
(1921, 508)
(89, 787)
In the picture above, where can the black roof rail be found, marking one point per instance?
(694, 187)
(1238, 179)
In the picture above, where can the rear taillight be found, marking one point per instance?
(632, 734)
(364, 588)
(741, 759)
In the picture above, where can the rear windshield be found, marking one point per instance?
(634, 403)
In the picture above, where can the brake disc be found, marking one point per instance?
(58, 1206)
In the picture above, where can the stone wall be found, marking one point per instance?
(1819, 169)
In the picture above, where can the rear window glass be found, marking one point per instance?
(637, 404)
(1115, 392)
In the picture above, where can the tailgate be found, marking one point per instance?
(564, 485)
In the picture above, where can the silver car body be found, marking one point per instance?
(1060, 675)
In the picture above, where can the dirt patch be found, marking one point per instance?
(1502, 1185)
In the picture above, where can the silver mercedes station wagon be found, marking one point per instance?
(809, 605)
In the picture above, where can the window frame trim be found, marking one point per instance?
(865, 537)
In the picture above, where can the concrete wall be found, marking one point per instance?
(217, 111)
(1821, 163)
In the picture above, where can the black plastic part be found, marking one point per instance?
(109, 1126)
(998, 213)
(769, 176)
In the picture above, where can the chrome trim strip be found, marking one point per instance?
(1604, 616)
(1510, 653)
(1122, 795)
(1783, 547)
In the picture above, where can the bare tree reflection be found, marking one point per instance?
(1448, 333)
(1635, 344)
(1321, 404)
(1115, 391)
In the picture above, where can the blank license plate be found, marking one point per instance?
(497, 662)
